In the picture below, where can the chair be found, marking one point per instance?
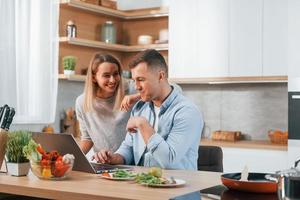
(210, 158)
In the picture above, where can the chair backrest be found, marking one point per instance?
(210, 158)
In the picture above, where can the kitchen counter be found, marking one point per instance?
(247, 144)
(82, 186)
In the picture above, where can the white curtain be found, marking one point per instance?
(29, 58)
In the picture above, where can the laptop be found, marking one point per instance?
(66, 143)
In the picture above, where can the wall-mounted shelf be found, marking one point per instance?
(137, 14)
(224, 80)
(114, 47)
(230, 80)
(74, 77)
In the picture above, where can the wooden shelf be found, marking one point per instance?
(230, 80)
(74, 77)
(247, 144)
(137, 14)
(113, 47)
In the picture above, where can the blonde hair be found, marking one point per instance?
(92, 87)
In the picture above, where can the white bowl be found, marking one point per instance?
(145, 39)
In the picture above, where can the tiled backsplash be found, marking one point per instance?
(250, 108)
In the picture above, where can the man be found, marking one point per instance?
(164, 129)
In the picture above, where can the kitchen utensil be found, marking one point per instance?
(257, 182)
(5, 117)
(2, 109)
(288, 182)
(245, 174)
(10, 118)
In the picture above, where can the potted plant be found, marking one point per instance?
(17, 163)
(69, 63)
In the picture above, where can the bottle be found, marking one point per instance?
(108, 33)
(71, 29)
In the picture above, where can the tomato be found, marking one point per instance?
(54, 155)
(59, 158)
(45, 162)
(60, 168)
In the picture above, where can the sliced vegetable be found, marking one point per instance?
(106, 174)
(40, 149)
(60, 169)
(46, 172)
(30, 151)
(120, 173)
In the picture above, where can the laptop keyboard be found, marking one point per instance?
(101, 168)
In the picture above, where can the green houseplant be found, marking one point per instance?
(69, 63)
(17, 163)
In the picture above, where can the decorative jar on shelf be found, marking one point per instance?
(71, 29)
(108, 32)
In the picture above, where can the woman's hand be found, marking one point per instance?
(128, 101)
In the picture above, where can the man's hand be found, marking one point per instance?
(143, 125)
(107, 157)
(128, 101)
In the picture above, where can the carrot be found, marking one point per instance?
(106, 174)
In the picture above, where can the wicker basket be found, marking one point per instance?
(278, 137)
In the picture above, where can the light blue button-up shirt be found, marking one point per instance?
(175, 144)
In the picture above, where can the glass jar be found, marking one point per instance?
(71, 29)
(108, 33)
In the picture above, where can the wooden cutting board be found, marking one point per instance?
(231, 136)
(3, 140)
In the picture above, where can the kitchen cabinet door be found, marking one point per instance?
(245, 37)
(198, 42)
(293, 45)
(275, 37)
(294, 38)
(264, 161)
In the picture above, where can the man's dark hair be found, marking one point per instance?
(152, 58)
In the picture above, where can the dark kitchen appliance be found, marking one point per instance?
(294, 115)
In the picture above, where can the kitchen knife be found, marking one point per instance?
(2, 111)
(5, 117)
(10, 118)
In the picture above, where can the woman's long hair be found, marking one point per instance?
(91, 87)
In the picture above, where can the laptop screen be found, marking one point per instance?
(66, 143)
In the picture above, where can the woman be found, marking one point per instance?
(102, 124)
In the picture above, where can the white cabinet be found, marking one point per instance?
(245, 41)
(221, 38)
(198, 45)
(294, 38)
(235, 159)
(294, 45)
(275, 37)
